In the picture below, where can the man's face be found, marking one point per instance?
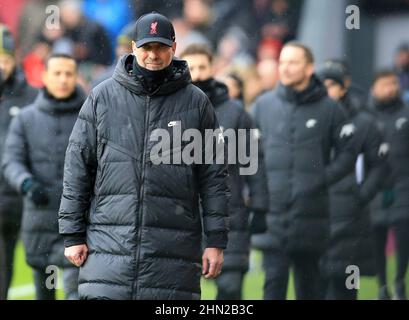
(402, 59)
(293, 67)
(60, 77)
(199, 66)
(7, 65)
(386, 88)
(334, 89)
(154, 55)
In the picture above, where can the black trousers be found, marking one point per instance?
(9, 232)
(337, 290)
(307, 280)
(229, 285)
(402, 251)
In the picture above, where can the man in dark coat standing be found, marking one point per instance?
(350, 231)
(131, 222)
(15, 93)
(390, 208)
(233, 118)
(33, 164)
(307, 148)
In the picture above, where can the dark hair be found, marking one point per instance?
(59, 55)
(239, 82)
(236, 77)
(384, 73)
(198, 49)
(307, 51)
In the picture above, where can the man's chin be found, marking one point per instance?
(155, 67)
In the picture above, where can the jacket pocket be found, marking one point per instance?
(101, 146)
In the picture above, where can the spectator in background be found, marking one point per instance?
(90, 40)
(269, 49)
(15, 94)
(199, 15)
(235, 85)
(390, 208)
(187, 35)
(268, 72)
(231, 116)
(30, 23)
(34, 61)
(123, 47)
(278, 23)
(33, 163)
(171, 7)
(402, 69)
(232, 52)
(350, 227)
(113, 15)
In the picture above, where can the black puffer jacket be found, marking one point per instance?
(391, 205)
(232, 117)
(35, 148)
(298, 132)
(141, 220)
(16, 95)
(350, 237)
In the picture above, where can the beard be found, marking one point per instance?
(294, 82)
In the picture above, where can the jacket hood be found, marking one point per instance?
(178, 79)
(216, 91)
(49, 104)
(314, 92)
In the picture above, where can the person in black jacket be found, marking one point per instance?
(390, 208)
(131, 222)
(350, 231)
(33, 164)
(15, 93)
(307, 146)
(232, 116)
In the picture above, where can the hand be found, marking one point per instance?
(38, 194)
(77, 254)
(212, 262)
(258, 222)
(35, 191)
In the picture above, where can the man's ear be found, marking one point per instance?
(174, 48)
(134, 47)
(310, 69)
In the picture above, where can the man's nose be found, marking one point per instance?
(153, 54)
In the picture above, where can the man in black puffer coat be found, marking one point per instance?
(390, 208)
(350, 233)
(300, 127)
(130, 222)
(232, 117)
(33, 164)
(15, 93)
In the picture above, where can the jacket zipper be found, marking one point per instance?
(141, 196)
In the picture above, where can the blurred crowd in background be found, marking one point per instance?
(246, 35)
